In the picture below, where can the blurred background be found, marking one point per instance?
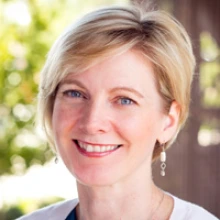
(29, 178)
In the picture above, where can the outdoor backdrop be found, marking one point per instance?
(28, 29)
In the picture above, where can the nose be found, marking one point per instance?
(94, 119)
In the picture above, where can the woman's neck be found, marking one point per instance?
(128, 200)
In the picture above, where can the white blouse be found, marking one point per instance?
(183, 210)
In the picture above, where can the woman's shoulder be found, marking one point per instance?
(56, 211)
(184, 210)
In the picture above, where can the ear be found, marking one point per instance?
(170, 124)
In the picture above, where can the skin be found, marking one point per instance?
(115, 103)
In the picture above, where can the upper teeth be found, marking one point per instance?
(96, 148)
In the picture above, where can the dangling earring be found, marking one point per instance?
(162, 160)
(56, 160)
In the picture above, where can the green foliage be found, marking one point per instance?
(210, 71)
(22, 54)
(13, 213)
(210, 87)
(28, 29)
(22, 208)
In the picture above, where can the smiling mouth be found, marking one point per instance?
(95, 148)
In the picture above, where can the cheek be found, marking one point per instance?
(61, 126)
(141, 122)
(60, 119)
(142, 128)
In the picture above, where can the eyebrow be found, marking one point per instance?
(72, 81)
(128, 89)
(121, 88)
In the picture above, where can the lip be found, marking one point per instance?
(98, 149)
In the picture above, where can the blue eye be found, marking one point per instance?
(125, 101)
(72, 93)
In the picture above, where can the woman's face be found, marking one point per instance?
(107, 119)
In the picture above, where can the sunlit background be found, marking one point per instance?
(29, 178)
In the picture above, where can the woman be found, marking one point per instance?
(114, 93)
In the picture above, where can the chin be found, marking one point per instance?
(94, 178)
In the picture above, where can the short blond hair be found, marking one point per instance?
(114, 30)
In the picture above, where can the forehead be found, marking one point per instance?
(128, 71)
(120, 66)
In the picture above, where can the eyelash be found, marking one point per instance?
(69, 93)
(77, 94)
(120, 99)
